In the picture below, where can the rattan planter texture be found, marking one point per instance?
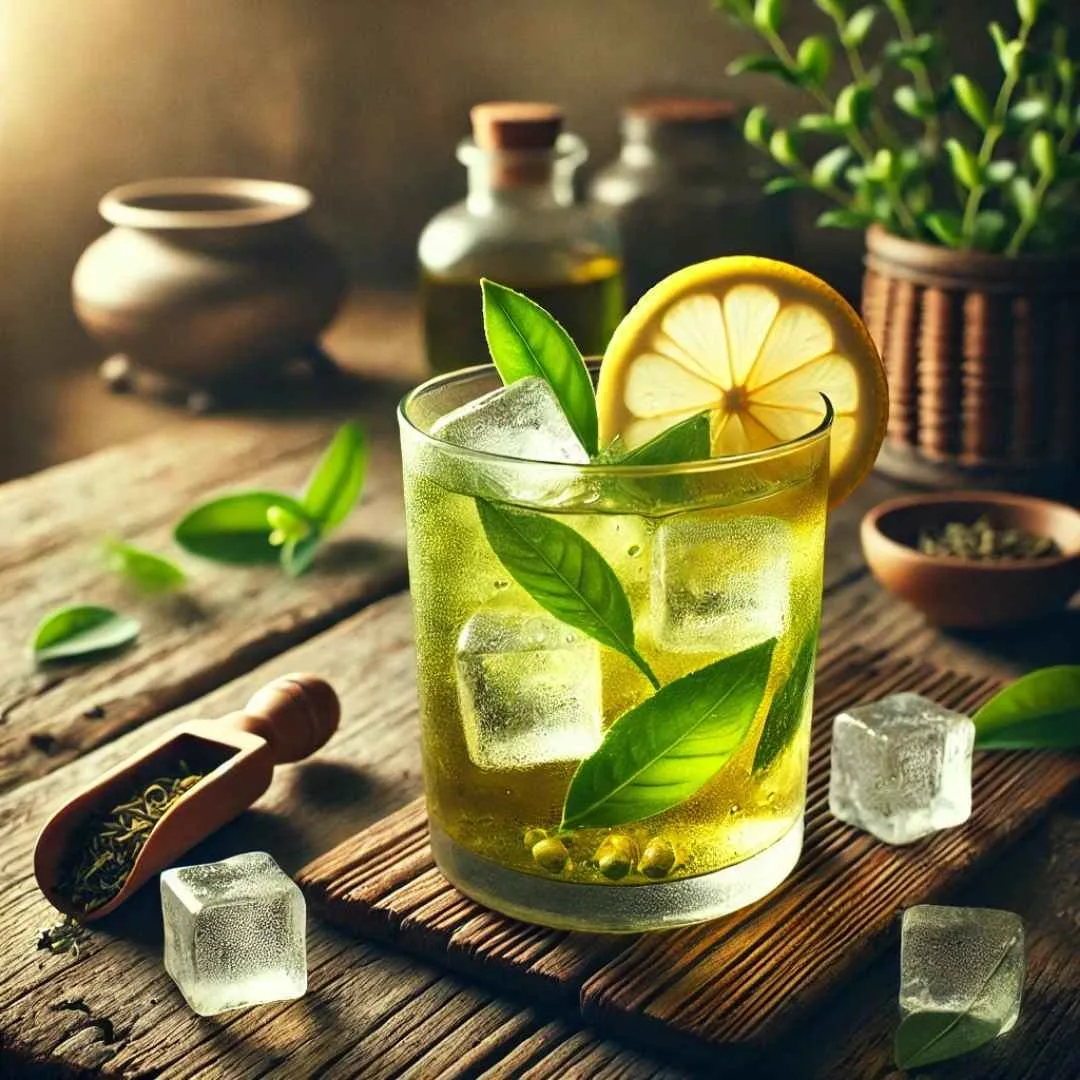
(983, 360)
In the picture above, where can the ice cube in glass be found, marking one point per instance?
(962, 960)
(722, 584)
(529, 689)
(901, 768)
(234, 933)
(522, 420)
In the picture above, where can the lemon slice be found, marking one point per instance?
(755, 342)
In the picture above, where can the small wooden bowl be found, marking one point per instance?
(959, 593)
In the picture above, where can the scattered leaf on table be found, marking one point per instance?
(235, 528)
(338, 477)
(82, 630)
(1039, 710)
(144, 569)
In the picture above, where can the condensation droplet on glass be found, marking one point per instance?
(734, 809)
(502, 584)
(633, 549)
(770, 796)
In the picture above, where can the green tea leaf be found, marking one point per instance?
(688, 440)
(338, 478)
(525, 340)
(144, 569)
(1039, 710)
(564, 574)
(234, 528)
(925, 1037)
(662, 751)
(788, 705)
(82, 630)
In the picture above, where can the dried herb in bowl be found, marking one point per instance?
(982, 542)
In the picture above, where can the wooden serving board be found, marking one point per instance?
(738, 983)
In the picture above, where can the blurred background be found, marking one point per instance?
(359, 100)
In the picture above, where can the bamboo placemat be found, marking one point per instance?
(736, 983)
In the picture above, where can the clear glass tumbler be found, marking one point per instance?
(615, 669)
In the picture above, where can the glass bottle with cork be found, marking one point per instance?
(685, 188)
(521, 226)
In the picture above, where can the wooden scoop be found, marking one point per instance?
(287, 720)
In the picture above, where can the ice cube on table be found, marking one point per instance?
(722, 584)
(957, 960)
(529, 689)
(523, 420)
(234, 933)
(901, 768)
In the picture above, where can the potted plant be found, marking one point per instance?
(969, 199)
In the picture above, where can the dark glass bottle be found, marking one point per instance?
(686, 188)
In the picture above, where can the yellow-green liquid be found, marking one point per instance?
(588, 302)
(491, 808)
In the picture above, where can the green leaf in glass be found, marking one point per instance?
(1039, 710)
(564, 574)
(145, 570)
(662, 751)
(338, 478)
(524, 340)
(71, 633)
(788, 705)
(688, 440)
(234, 528)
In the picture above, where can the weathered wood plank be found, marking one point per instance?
(225, 622)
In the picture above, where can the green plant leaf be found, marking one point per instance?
(971, 98)
(763, 64)
(145, 570)
(234, 528)
(338, 478)
(819, 124)
(844, 219)
(1044, 154)
(1029, 110)
(1039, 710)
(964, 164)
(779, 184)
(767, 15)
(757, 127)
(1000, 171)
(564, 574)
(832, 8)
(922, 48)
(946, 225)
(298, 553)
(1028, 10)
(525, 341)
(82, 630)
(1001, 44)
(828, 167)
(664, 750)
(852, 107)
(990, 226)
(788, 705)
(688, 440)
(814, 57)
(908, 101)
(858, 27)
(783, 149)
(1023, 196)
(925, 1037)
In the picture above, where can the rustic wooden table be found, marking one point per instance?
(369, 1012)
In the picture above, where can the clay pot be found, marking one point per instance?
(961, 593)
(204, 279)
(983, 360)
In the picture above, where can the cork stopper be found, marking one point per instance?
(516, 125)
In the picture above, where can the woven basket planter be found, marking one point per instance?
(983, 360)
